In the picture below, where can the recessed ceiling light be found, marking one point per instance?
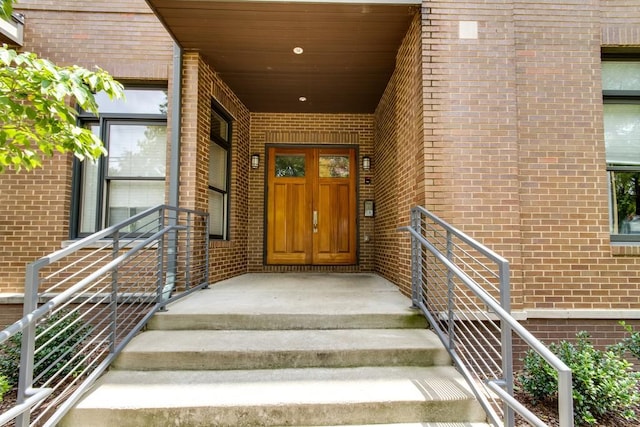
(302, 99)
(298, 50)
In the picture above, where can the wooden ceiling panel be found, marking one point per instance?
(349, 49)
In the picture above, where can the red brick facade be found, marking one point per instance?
(200, 86)
(493, 119)
(122, 37)
(399, 156)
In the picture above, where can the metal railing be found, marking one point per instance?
(463, 289)
(85, 302)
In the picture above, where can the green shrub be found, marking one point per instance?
(62, 336)
(4, 386)
(629, 344)
(603, 382)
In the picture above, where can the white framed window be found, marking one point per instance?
(219, 170)
(621, 95)
(131, 177)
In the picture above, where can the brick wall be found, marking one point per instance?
(123, 36)
(35, 206)
(200, 86)
(568, 261)
(399, 160)
(562, 169)
(9, 313)
(514, 142)
(619, 20)
(341, 129)
(471, 139)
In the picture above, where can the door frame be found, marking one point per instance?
(265, 202)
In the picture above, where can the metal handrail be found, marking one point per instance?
(106, 287)
(448, 284)
(38, 396)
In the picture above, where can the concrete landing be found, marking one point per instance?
(293, 301)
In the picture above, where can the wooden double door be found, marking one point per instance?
(311, 206)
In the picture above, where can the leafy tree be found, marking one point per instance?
(6, 7)
(37, 117)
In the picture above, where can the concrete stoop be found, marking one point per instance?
(305, 364)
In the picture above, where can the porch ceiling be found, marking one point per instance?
(349, 49)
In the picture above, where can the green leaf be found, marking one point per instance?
(34, 110)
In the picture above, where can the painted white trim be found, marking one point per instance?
(12, 30)
(7, 298)
(601, 314)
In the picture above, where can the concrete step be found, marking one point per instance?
(414, 425)
(200, 350)
(278, 397)
(293, 301)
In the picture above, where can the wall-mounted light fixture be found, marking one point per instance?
(366, 163)
(255, 161)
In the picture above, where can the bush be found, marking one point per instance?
(62, 336)
(4, 386)
(629, 344)
(603, 382)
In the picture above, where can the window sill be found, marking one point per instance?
(219, 243)
(623, 249)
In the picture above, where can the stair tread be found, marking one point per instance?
(161, 389)
(412, 425)
(284, 340)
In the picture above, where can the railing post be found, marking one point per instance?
(28, 343)
(565, 399)
(187, 272)
(416, 260)
(450, 295)
(161, 286)
(206, 251)
(172, 252)
(506, 340)
(114, 293)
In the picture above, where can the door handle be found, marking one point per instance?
(315, 221)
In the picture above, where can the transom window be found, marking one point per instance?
(219, 160)
(131, 178)
(621, 93)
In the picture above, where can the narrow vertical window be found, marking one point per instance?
(621, 94)
(219, 159)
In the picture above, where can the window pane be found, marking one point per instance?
(219, 127)
(218, 167)
(127, 198)
(622, 133)
(137, 101)
(625, 212)
(620, 75)
(89, 191)
(290, 165)
(217, 202)
(334, 166)
(137, 150)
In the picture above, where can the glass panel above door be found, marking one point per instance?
(334, 166)
(290, 165)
